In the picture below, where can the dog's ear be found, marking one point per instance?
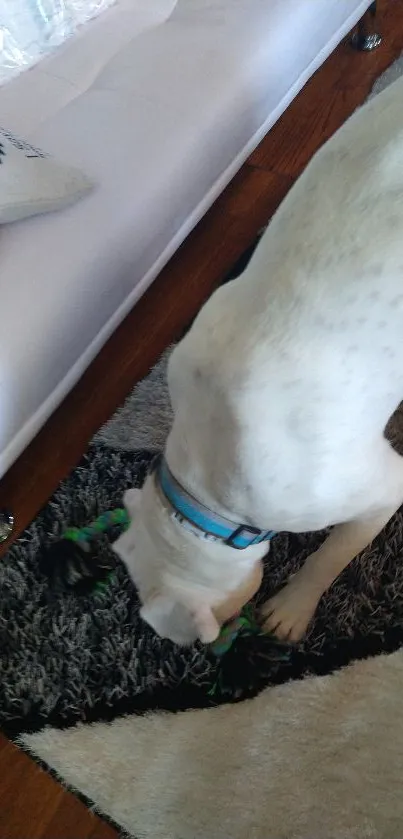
(181, 624)
(131, 500)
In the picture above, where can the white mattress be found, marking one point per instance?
(160, 103)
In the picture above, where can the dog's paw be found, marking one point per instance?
(289, 613)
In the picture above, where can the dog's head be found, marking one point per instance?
(161, 559)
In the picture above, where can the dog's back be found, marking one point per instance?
(298, 363)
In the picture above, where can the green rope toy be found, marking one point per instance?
(243, 624)
(82, 536)
(76, 544)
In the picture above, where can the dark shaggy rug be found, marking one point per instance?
(68, 656)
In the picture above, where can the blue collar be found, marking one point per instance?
(201, 521)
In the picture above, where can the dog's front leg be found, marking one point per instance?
(289, 612)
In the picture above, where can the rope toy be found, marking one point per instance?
(73, 560)
(84, 536)
(243, 624)
(231, 656)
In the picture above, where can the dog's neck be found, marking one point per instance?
(194, 560)
(198, 476)
(204, 522)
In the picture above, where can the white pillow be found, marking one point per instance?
(31, 182)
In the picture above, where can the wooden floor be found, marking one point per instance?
(32, 805)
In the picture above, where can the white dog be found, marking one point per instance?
(281, 393)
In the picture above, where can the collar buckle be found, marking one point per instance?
(238, 539)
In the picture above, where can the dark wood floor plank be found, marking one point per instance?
(34, 806)
(28, 797)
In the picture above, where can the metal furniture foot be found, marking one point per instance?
(6, 525)
(364, 38)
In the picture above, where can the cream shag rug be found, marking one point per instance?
(308, 759)
(316, 759)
